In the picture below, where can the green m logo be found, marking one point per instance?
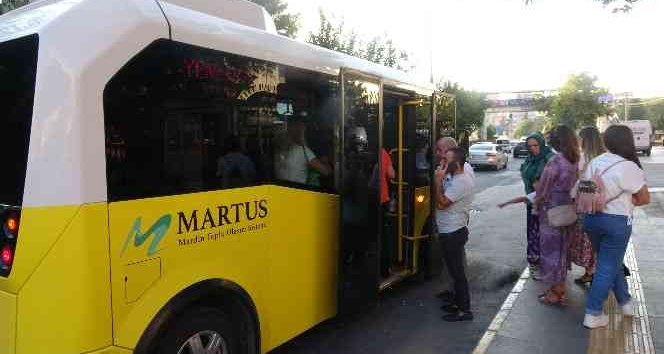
(158, 229)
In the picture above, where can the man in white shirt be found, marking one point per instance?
(294, 159)
(453, 198)
(442, 146)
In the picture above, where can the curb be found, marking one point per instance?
(501, 316)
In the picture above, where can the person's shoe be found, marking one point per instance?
(450, 308)
(592, 321)
(446, 295)
(458, 316)
(628, 307)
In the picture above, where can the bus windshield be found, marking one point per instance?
(18, 64)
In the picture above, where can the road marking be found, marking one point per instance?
(503, 313)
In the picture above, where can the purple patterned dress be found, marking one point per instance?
(554, 188)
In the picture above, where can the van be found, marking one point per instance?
(643, 134)
(504, 144)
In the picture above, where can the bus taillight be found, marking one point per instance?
(6, 257)
(10, 219)
(11, 225)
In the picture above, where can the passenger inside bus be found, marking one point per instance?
(203, 133)
(294, 160)
(235, 169)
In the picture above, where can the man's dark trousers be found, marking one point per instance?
(453, 251)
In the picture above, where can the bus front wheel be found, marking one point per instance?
(201, 330)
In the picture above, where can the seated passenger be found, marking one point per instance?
(235, 168)
(294, 161)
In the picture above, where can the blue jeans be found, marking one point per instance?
(609, 235)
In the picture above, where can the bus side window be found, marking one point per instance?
(184, 119)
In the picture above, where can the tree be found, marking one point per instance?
(470, 106)
(490, 132)
(578, 102)
(656, 114)
(8, 5)
(542, 103)
(287, 24)
(379, 50)
(652, 109)
(528, 126)
(617, 5)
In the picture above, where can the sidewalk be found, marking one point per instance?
(524, 325)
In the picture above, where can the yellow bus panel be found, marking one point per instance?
(65, 305)
(279, 244)
(8, 323)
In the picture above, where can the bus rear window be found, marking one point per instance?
(18, 64)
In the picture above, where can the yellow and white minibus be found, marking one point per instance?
(179, 178)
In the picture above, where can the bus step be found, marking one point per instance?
(394, 279)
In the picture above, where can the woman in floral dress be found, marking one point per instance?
(558, 179)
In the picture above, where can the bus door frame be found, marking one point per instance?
(405, 220)
(346, 305)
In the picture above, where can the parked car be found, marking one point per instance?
(504, 144)
(491, 155)
(520, 150)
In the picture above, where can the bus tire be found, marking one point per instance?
(208, 326)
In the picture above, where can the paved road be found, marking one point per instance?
(407, 319)
(485, 178)
(654, 167)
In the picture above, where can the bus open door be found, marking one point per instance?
(382, 238)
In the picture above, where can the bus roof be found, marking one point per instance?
(83, 43)
(195, 27)
(234, 26)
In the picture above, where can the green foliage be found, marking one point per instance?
(543, 103)
(656, 114)
(8, 5)
(577, 103)
(528, 126)
(379, 50)
(617, 5)
(490, 132)
(470, 106)
(652, 110)
(287, 24)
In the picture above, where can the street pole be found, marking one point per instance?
(456, 135)
(626, 106)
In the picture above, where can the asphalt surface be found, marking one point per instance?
(407, 318)
(654, 167)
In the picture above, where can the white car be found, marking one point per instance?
(490, 155)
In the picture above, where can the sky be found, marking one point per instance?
(504, 45)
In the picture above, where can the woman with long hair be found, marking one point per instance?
(581, 249)
(558, 179)
(591, 145)
(624, 188)
(531, 171)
